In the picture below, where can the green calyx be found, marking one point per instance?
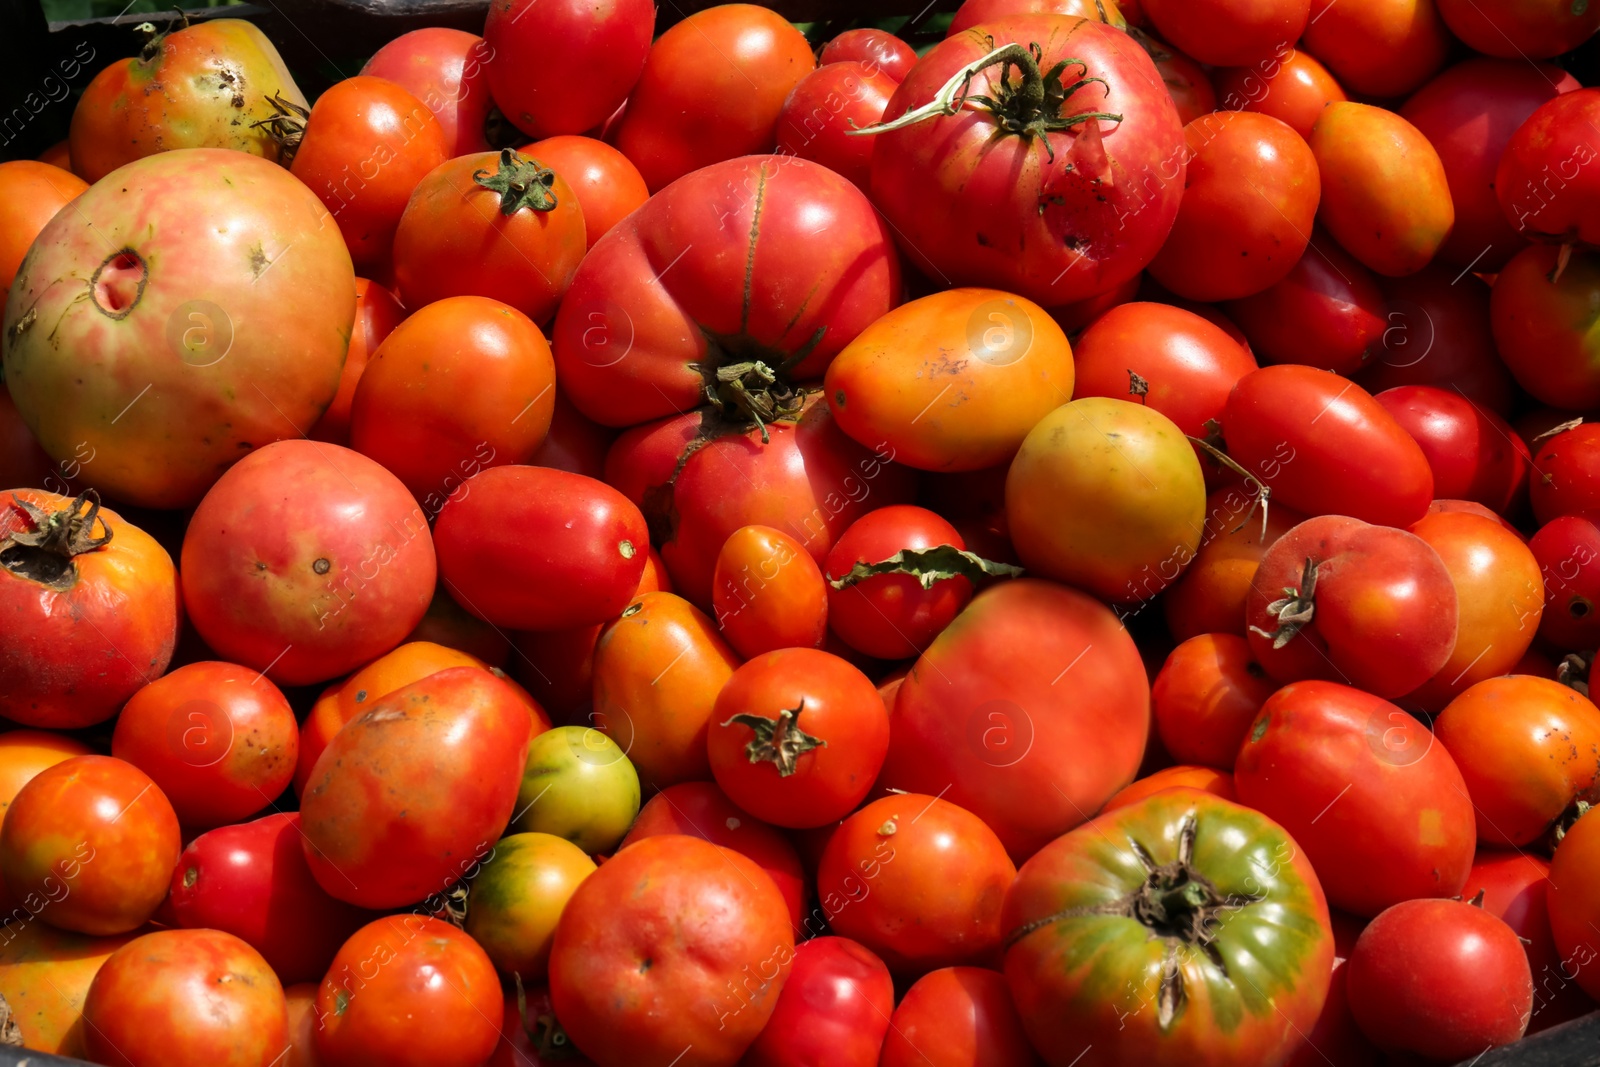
(1295, 610)
(779, 741)
(521, 183)
(929, 565)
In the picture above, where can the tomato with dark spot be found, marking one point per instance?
(1566, 478)
(1568, 552)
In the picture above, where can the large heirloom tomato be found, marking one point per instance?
(1182, 930)
(718, 285)
(1060, 188)
(981, 720)
(90, 609)
(196, 306)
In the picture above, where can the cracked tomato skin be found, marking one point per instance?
(975, 208)
(1097, 980)
(725, 265)
(73, 655)
(195, 306)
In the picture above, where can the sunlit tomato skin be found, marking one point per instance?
(408, 991)
(957, 1017)
(607, 184)
(91, 610)
(455, 742)
(1206, 697)
(1255, 31)
(30, 195)
(1528, 748)
(1520, 29)
(1574, 904)
(251, 880)
(207, 85)
(1474, 454)
(893, 615)
(1568, 552)
(1205, 779)
(1327, 312)
(447, 70)
(540, 51)
(1402, 826)
(1378, 48)
(377, 314)
(24, 753)
(673, 943)
(879, 49)
(1544, 182)
(517, 897)
(1515, 889)
(1293, 88)
(1209, 597)
(834, 1008)
(1546, 331)
(218, 739)
(768, 593)
(188, 998)
(44, 975)
(1439, 978)
(821, 111)
(975, 12)
(1567, 478)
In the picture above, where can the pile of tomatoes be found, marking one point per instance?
(1080, 546)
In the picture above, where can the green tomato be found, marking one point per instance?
(517, 899)
(578, 785)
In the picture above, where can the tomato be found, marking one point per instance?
(607, 184)
(1528, 749)
(1186, 80)
(1568, 552)
(448, 71)
(821, 111)
(1292, 87)
(44, 975)
(376, 832)
(975, 199)
(302, 1001)
(210, 85)
(31, 194)
(1542, 181)
(91, 604)
(1208, 693)
(1131, 911)
(1223, 33)
(976, 12)
(917, 880)
(186, 998)
(1327, 312)
(1546, 331)
(1380, 809)
(957, 1017)
(23, 754)
(88, 845)
(501, 226)
(768, 593)
(750, 293)
(649, 948)
(577, 786)
(1515, 889)
(518, 896)
(833, 1009)
(981, 718)
(700, 809)
(1568, 467)
(1474, 454)
(1574, 904)
(183, 355)
(377, 314)
(1107, 495)
(252, 880)
(574, 443)
(1205, 779)
(408, 991)
(1324, 469)
(1381, 48)
(1209, 597)
(219, 740)
(657, 672)
(22, 462)
(712, 89)
(563, 66)
(1518, 29)
(797, 737)
(879, 49)
(1440, 978)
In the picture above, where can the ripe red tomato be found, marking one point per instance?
(822, 110)
(408, 991)
(1327, 312)
(1380, 809)
(1208, 693)
(1204, 779)
(1543, 180)
(607, 184)
(1223, 33)
(834, 1009)
(1440, 978)
(1381, 48)
(957, 1017)
(1568, 552)
(448, 71)
(1518, 29)
(1575, 904)
(879, 49)
(1474, 454)
(188, 998)
(1568, 482)
(305, 561)
(1545, 330)
(31, 193)
(377, 314)
(563, 66)
(1292, 87)
(768, 593)
(1209, 596)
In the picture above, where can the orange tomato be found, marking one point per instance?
(44, 975)
(768, 593)
(30, 195)
(1382, 48)
(607, 184)
(1209, 598)
(1205, 698)
(1208, 779)
(58, 155)
(1293, 90)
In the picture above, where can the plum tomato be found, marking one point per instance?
(957, 1017)
(1568, 474)
(835, 1009)
(447, 70)
(577, 786)
(1292, 87)
(1474, 454)
(879, 49)
(1378, 48)
(1327, 312)
(1568, 552)
(768, 593)
(608, 186)
(1574, 902)
(822, 110)
(1545, 185)
(1206, 697)
(517, 898)
(1545, 330)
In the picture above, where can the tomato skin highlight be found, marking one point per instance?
(962, 1017)
(446, 70)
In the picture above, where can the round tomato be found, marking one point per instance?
(1544, 184)
(879, 49)
(517, 898)
(577, 786)
(1568, 552)
(607, 184)
(978, 12)
(1381, 48)
(1545, 330)
(1520, 29)
(1327, 312)
(44, 975)
(31, 194)
(830, 102)
(1292, 87)
(1575, 902)
(833, 1009)
(448, 71)
(377, 314)
(1186, 81)
(957, 1017)
(1226, 33)
(1208, 693)
(768, 593)
(1568, 482)
(1210, 596)
(1474, 454)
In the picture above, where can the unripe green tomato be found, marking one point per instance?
(578, 785)
(517, 899)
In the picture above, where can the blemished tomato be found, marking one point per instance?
(377, 314)
(373, 814)
(187, 998)
(1209, 597)
(408, 991)
(834, 1009)
(1327, 312)
(496, 225)
(1474, 454)
(31, 193)
(657, 671)
(1545, 331)
(820, 112)
(464, 384)
(518, 896)
(1251, 189)
(957, 1017)
(1207, 695)
(447, 70)
(1568, 552)
(607, 184)
(252, 880)
(1543, 181)
(1379, 48)
(89, 845)
(91, 603)
(1574, 904)
(917, 880)
(1440, 978)
(1528, 749)
(878, 49)
(1224, 33)
(1293, 88)
(675, 947)
(218, 739)
(1379, 807)
(305, 561)
(44, 975)
(1108, 496)
(797, 737)
(712, 89)
(1568, 474)
(578, 786)
(1520, 29)
(535, 548)
(1205, 779)
(563, 66)
(768, 593)
(1113, 932)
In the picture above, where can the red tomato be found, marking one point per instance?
(1545, 330)
(31, 194)
(1520, 29)
(768, 593)
(820, 113)
(563, 66)
(187, 998)
(1380, 809)
(377, 314)
(1292, 87)
(1209, 596)
(1543, 182)
(1327, 312)
(1568, 482)
(1474, 454)
(1381, 48)
(957, 1017)
(1205, 779)
(879, 49)
(1225, 33)
(448, 71)
(1186, 81)
(607, 184)
(1440, 978)
(833, 1009)
(574, 443)
(22, 462)
(1568, 552)
(1575, 904)
(980, 12)
(409, 991)
(1208, 693)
